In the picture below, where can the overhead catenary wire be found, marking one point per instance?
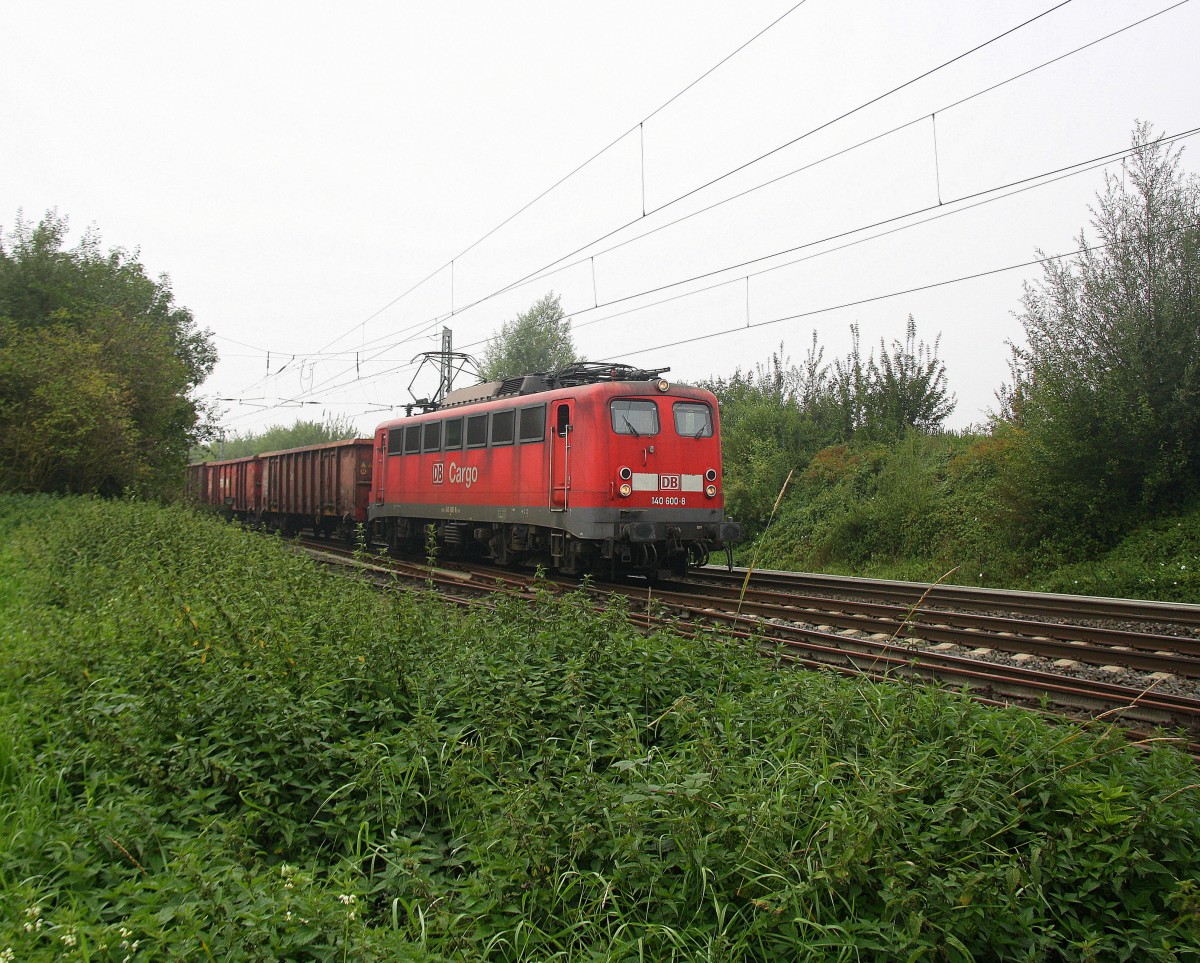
(723, 176)
(841, 247)
(1026, 183)
(861, 301)
(562, 180)
(423, 327)
(1073, 169)
(942, 210)
(939, 211)
(741, 328)
(555, 266)
(384, 341)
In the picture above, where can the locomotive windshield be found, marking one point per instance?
(631, 417)
(693, 420)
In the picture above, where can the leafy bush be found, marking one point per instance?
(1159, 560)
(917, 508)
(214, 750)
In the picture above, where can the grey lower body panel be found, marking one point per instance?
(591, 524)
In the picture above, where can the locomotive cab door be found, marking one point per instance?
(560, 456)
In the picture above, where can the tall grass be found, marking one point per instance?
(214, 750)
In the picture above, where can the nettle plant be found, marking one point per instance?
(212, 748)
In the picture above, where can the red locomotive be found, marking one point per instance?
(596, 468)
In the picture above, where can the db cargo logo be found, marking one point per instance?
(668, 483)
(439, 469)
(465, 475)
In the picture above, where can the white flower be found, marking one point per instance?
(348, 899)
(68, 938)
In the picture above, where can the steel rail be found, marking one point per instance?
(1120, 647)
(1155, 708)
(965, 596)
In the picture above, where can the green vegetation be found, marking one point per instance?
(776, 418)
(98, 368)
(212, 749)
(535, 340)
(1087, 478)
(915, 509)
(930, 506)
(1106, 393)
(278, 438)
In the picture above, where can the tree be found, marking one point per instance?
(905, 388)
(779, 416)
(908, 387)
(773, 419)
(98, 368)
(538, 340)
(1106, 392)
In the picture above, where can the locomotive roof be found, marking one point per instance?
(527, 389)
(572, 376)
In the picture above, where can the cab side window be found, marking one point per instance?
(502, 427)
(454, 434)
(433, 436)
(533, 424)
(477, 431)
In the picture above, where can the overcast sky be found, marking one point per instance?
(298, 168)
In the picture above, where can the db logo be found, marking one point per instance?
(668, 483)
(438, 472)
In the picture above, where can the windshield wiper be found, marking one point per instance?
(628, 424)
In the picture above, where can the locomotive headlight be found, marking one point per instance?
(663, 384)
(625, 474)
(711, 491)
(710, 475)
(626, 489)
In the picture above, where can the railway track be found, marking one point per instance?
(897, 638)
(1092, 644)
(963, 598)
